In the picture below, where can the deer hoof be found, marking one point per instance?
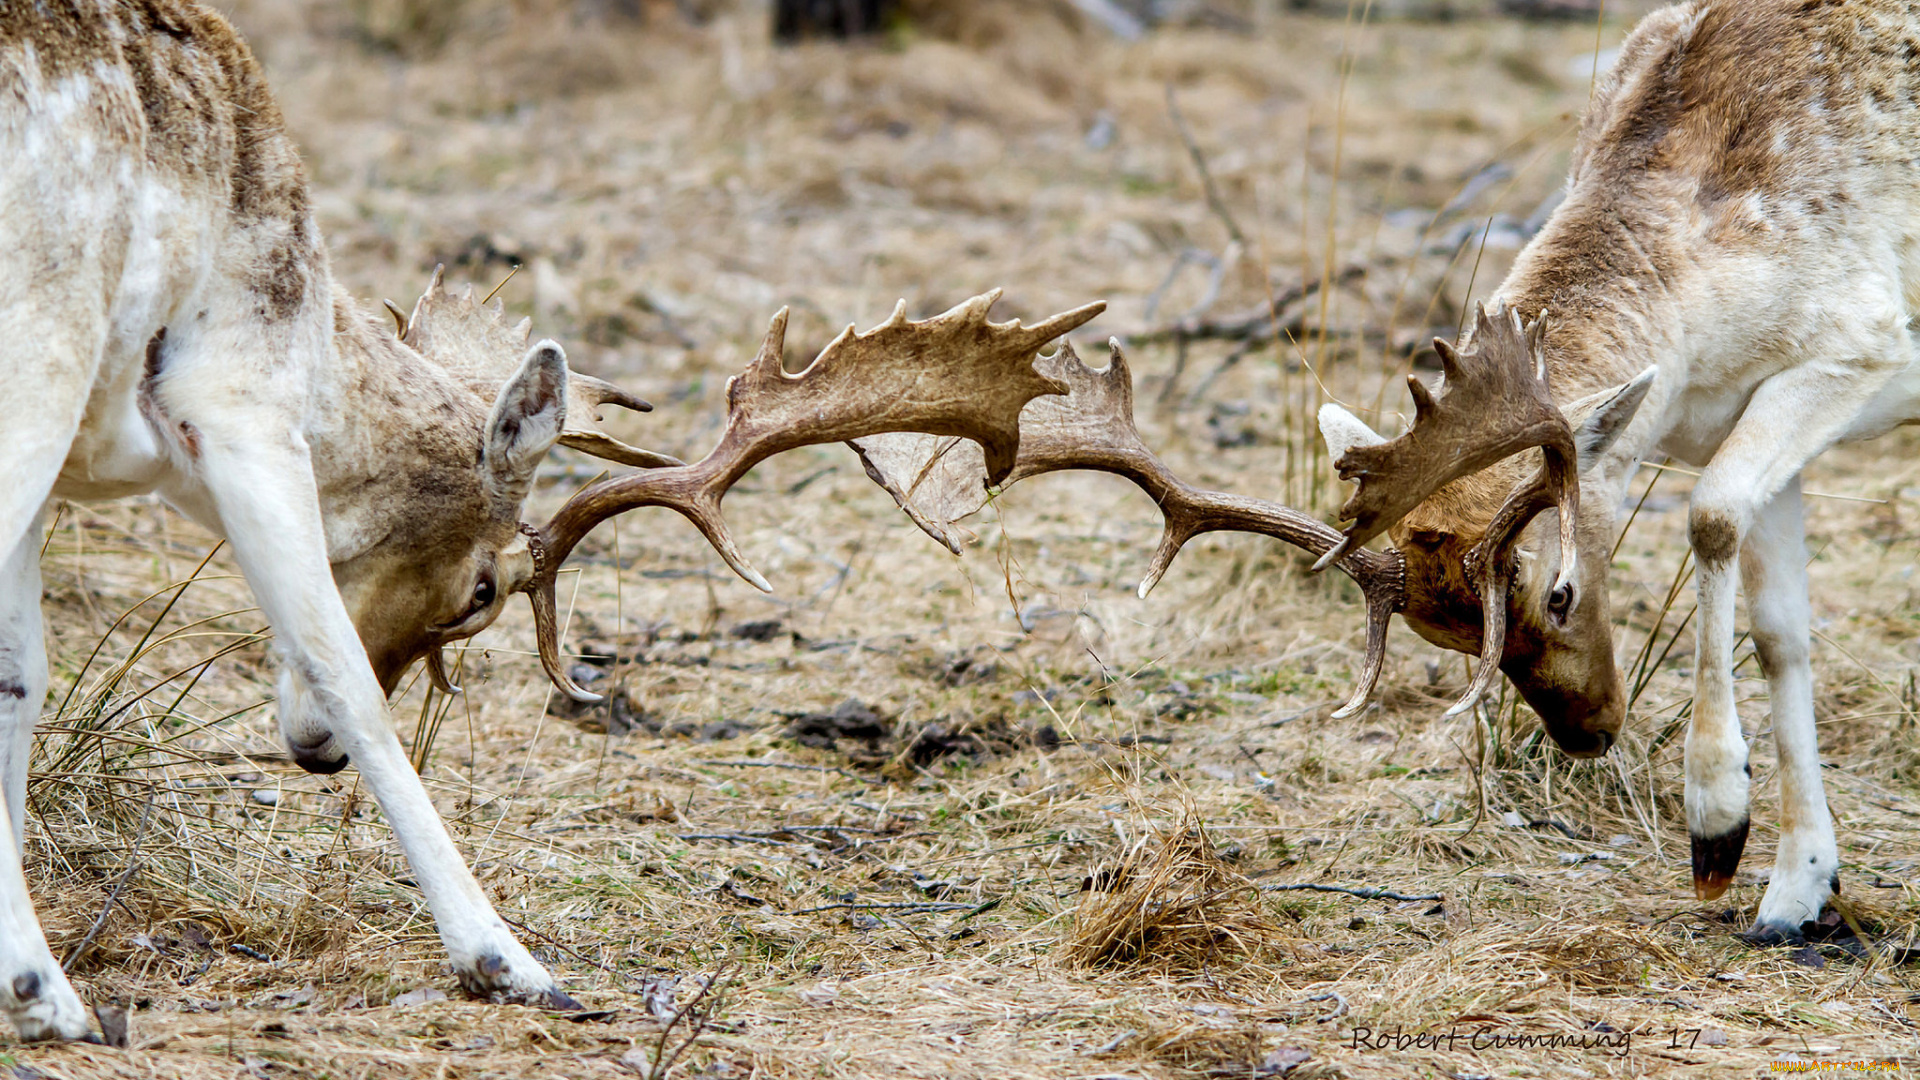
(492, 978)
(46, 1008)
(1715, 858)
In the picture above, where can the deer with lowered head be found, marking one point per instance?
(174, 328)
(1729, 281)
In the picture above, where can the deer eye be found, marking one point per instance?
(482, 594)
(1560, 601)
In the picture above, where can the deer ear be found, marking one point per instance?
(1598, 419)
(528, 416)
(1344, 431)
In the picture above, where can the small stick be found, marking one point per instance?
(113, 897)
(663, 1059)
(885, 907)
(1363, 893)
(787, 765)
(738, 838)
(503, 283)
(1214, 201)
(1339, 1005)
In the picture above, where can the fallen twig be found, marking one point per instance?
(1362, 893)
(1214, 201)
(664, 1056)
(737, 838)
(1256, 325)
(788, 765)
(885, 907)
(113, 897)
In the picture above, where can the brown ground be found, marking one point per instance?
(1077, 802)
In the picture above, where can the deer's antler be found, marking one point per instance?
(1092, 427)
(1495, 403)
(956, 374)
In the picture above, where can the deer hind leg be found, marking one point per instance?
(1806, 865)
(258, 474)
(1790, 420)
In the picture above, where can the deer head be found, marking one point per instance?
(1488, 570)
(426, 523)
(1451, 588)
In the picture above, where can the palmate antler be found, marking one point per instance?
(1093, 428)
(956, 374)
(1496, 404)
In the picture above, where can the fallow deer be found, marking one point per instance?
(1730, 282)
(174, 328)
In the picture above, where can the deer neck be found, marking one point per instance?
(1604, 269)
(393, 438)
(1610, 271)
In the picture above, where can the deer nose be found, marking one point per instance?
(1580, 725)
(1581, 743)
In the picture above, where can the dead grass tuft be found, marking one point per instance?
(1170, 903)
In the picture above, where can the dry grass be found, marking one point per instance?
(1170, 903)
(907, 900)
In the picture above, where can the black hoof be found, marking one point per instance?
(1829, 929)
(558, 1000)
(1715, 858)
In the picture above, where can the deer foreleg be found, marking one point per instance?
(23, 670)
(1718, 776)
(45, 373)
(33, 990)
(1806, 865)
(263, 491)
(1790, 420)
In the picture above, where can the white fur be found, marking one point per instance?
(103, 249)
(1780, 329)
(1344, 431)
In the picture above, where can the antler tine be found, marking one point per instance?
(1496, 404)
(1093, 428)
(585, 395)
(1381, 604)
(956, 374)
(437, 673)
(471, 339)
